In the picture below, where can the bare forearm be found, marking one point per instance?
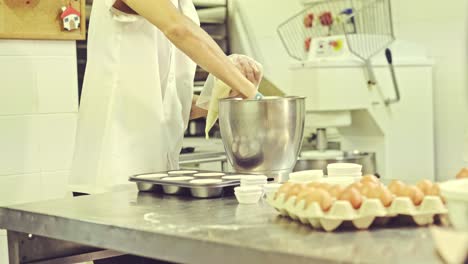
(197, 112)
(202, 49)
(193, 41)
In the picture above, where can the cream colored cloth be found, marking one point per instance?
(220, 90)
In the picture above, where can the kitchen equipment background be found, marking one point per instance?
(359, 118)
(367, 160)
(263, 136)
(373, 33)
(304, 26)
(367, 25)
(196, 128)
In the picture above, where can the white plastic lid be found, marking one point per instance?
(243, 184)
(248, 189)
(342, 181)
(272, 186)
(344, 169)
(455, 189)
(358, 174)
(306, 175)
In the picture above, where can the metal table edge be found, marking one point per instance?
(207, 251)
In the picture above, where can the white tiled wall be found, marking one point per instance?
(54, 184)
(444, 34)
(56, 136)
(3, 249)
(18, 144)
(18, 90)
(56, 85)
(38, 111)
(20, 188)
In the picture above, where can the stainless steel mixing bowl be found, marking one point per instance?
(263, 136)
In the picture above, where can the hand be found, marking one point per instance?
(249, 68)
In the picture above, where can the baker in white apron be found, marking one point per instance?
(136, 99)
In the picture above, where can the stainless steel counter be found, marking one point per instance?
(208, 231)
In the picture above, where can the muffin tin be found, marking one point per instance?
(198, 184)
(371, 211)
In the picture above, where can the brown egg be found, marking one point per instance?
(320, 196)
(386, 197)
(435, 190)
(425, 186)
(304, 193)
(314, 184)
(370, 178)
(396, 187)
(380, 192)
(284, 189)
(357, 185)
(325, 186)
(335, 191)
(319, 185)
(414, 193)
(294, 190)
(462, 174)
(353, 196)
(327, 201)
(367, 188)
(374, 192)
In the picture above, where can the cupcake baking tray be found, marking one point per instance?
(198, 184)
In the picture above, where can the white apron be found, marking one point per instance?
(135, 103)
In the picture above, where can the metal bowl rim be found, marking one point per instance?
(239, 100)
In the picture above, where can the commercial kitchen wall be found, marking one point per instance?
(440, 27)
(38, 111)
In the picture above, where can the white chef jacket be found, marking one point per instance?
(135, 103)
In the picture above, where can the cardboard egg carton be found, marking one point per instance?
(371, 211)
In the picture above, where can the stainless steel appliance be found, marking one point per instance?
(342, 104)
(263, 136)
